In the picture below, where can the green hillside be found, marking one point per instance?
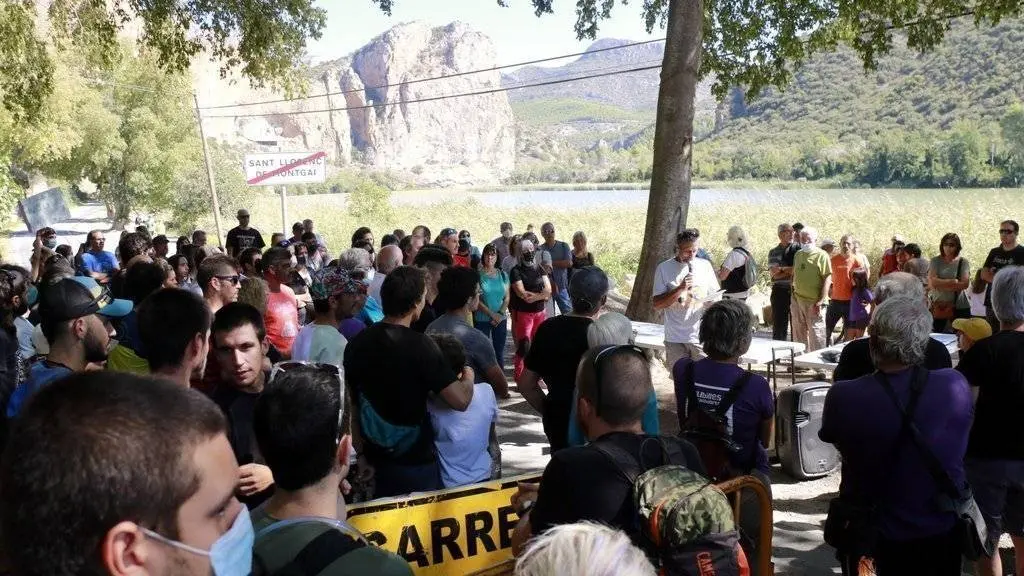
(540, 113)
(951, 117)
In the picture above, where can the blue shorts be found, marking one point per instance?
(998, 487)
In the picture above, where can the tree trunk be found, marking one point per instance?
(669, 200)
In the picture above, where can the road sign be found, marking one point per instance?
(285, 168)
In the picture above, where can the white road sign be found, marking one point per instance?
(285, 168)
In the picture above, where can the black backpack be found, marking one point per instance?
(707, 430)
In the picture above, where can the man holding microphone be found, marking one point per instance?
(683, 287)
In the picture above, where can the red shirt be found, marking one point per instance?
(460, 260)
(282, 319)
(889, 263)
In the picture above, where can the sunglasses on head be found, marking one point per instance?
(330, 369)
(599, 360)
(449, 232)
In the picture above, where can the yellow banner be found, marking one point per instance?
(449, 532)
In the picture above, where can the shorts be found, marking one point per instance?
(998, 487)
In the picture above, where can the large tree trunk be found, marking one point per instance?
(669, 200)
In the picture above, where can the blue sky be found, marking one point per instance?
(517, 33)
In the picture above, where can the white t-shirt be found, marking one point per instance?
(682, 322)
(977, 302)
(462, 437)
(732, 261)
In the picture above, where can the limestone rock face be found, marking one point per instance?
(370, 108)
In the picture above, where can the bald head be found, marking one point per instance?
(898, 284)
(616, 382)
(389, 258)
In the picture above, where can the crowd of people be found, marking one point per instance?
(208, 409)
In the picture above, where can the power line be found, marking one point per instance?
(504, 88)
(434, 98)
(443, 77)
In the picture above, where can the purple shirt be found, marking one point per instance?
(754, 405)
(862, 422)
(859, 302)
(349, 327)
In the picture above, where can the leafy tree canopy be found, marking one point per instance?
(264, 39)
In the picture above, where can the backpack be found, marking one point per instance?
(750, 272)
(708, 430)
(683, 522)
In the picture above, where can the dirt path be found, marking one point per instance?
(84, 218)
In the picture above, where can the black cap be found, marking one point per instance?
(589, 285)
(79, 296)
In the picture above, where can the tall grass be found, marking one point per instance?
(616, 234)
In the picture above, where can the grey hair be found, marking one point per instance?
(737, 238)
(783, 227)
(899, 331)
(583, 549)
(354, 259)
(811, 232)
(726, 329)
(899, 284)
(1008, 295)
(610, 329)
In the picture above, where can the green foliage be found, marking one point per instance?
(1012, 128)
(562, 110)
(264, 39)
(370, 201)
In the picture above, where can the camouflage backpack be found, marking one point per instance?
(684, 522)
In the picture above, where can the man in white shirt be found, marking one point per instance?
(683, 287)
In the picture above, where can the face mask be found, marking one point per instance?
(370, 274)
(807, 247)
(231, 554)
(50, 243)
(529, 256)
(300, 260)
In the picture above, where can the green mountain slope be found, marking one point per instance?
(932, 119)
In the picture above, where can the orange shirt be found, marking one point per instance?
(842, 283)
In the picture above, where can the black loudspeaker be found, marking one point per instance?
(798, 420)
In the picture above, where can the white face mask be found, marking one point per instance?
(807, 247)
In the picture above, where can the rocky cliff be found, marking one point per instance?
(368, 108)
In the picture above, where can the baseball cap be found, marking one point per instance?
(79, 296)
(588, 286)
(242, 212)
(974, 328)
(161, 239)
(335, 280)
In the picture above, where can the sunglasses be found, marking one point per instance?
(1007, 231)
(449, 232)
(234, 280)
(329, 369)
(599, 361)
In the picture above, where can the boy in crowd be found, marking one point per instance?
(309, 457)
(467, 442)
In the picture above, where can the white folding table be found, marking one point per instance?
(815, 360)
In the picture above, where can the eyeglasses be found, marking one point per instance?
(330, 369)
(1007, 231)
(607, 352)
(233, 279)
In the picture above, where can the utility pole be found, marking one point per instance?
(209, 170)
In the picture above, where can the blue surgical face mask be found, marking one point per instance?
(231, 554)
(50, 243)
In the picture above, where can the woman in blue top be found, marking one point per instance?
(491, 317)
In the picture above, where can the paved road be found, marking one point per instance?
(72, 232)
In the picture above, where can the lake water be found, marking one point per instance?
(637, 197)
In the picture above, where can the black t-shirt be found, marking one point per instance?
(240, 240)
(238, 408)
(995, 366)
(582, 483)
(554, 354)
(998, 259)
(532, 278)
(395, 369)
(427, 315)
(855, 361)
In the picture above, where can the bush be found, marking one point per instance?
(369, 201)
